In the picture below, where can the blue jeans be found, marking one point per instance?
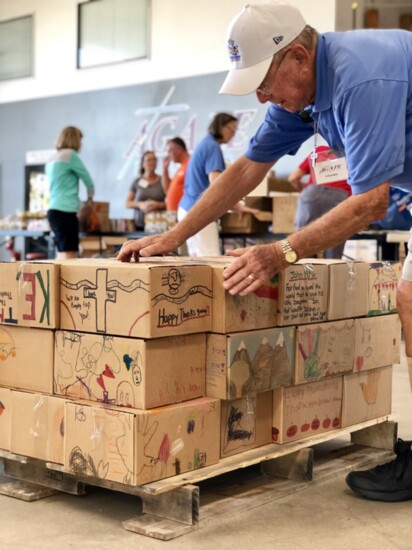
(314, 201)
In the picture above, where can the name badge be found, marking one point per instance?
(330, 171)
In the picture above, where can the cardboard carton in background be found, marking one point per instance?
(254, 361)
(234, 222)
(284, 212)
(142, 300)
(26, 358)
(37, 426)
(239, 313)
(280, 185)
(134, 447)
(246, 423)
(5, 418)
(366, 395)
(303, 293)
(128, 371)
(323, 350)
(377, 342)
(383, 282)
(306, 410)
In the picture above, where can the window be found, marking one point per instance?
(16, 48)
(112, 31)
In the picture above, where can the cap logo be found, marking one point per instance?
(233, 48)
(278, 39)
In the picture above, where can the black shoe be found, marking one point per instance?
(391, 482)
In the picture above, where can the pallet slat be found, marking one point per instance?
(255, 456)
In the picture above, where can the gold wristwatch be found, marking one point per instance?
(289, 253)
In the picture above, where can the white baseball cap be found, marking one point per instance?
(253, 37)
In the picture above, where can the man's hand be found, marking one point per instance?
(254, 267)
(155, 245)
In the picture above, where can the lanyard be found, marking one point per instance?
(314, 154)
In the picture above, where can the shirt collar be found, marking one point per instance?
(324, 78)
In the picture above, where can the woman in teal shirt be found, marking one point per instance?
(64, 170)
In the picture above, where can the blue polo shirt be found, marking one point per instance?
(363, 107)
(206, 158)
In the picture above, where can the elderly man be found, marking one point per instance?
(354, 89)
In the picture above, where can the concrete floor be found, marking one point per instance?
(325, 515)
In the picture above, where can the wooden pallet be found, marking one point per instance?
(171, 507)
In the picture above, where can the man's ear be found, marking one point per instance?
(300, 54)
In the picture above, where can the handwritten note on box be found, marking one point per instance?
(303, 294)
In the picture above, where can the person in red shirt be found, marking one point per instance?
(315, 200)
(177, 152)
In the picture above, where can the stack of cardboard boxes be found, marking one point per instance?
(347, 338)
(136, 372)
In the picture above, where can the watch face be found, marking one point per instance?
(291, 256)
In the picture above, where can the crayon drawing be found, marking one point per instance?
(90, 367)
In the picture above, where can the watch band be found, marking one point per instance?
(290, 255)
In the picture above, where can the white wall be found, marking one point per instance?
(187, 38)
(389, 13)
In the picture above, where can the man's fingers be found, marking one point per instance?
(245, 285)
(251, 288)
(236, 252)
(129, 250)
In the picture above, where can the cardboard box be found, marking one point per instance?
(324, 350)
(262, 203)
(255, 361)
(279, 185)
(240, 313)
(37, 426)
(303, 293)
(143, 300)
(284, 212)
(128, 371)
(306, 410)
(383, 284)
(134, 447)
(234, 222)
(366, 395)
(29, 294)
(348, 288)
(246, 423)
(26, 358)
(377, 342)
(91, 247)
(5, 419)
